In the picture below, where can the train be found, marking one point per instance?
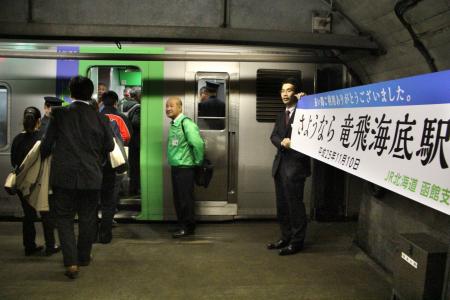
(249, 81)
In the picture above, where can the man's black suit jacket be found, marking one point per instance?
(297, 164)
(213, 107)
(79, 138)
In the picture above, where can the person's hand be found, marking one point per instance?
(299, 95)
(286, 143)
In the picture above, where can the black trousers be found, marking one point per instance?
(183, 196)
(134, 170)
(66, 203)
(28, 229)
(109, 200)
(291, 211)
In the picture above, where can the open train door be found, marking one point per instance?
(211, 101)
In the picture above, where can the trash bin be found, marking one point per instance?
(419, 267)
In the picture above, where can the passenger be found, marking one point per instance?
(132, 109)
(20, 147)
(290, 168)
(185, 150)
(101, 89)
(49, 103)
(126, 97)
(111, 181)
(212, 107)
(79, 140)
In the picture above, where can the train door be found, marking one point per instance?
(210, 97)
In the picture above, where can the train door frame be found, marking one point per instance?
(195, 71)
(152, 112)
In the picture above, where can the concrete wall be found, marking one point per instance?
(382, 220)
(430, 19)
(283, 15)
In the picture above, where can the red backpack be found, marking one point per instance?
(124, 132)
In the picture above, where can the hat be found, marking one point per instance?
(212, 85)
(53, 101)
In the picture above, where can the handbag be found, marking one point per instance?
(118, 157)
(10, 183)
(204, 173)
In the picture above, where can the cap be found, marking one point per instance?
(53, 101)
(212, 85)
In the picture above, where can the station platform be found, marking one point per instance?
(222, 261)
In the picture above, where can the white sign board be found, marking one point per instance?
(395, 134)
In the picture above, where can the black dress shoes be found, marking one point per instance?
(173, 229)
(182, 233)
(277, 245)
(72, 272)
(290, 249)
(52, 250)
(33, 251)
(105, 237)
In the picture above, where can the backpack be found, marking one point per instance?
(204, 172)
(124, 132)
(129, 113)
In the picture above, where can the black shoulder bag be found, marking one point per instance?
(204, 172)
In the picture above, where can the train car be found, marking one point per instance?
(238, 144)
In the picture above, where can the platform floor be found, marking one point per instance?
(222, 261)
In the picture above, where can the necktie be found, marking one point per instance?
(286, 116)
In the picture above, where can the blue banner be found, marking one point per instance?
(433, 88)
(65, 69)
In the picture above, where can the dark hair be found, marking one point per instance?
(135, 94)
(81, 88)
(31, 116)
(110, 98)
(294, 82)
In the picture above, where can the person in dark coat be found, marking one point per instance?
(290, 169)
(50, 102)
(79, 140)
(111, 181)
(210, 106)
(21, 145)
(132, 109)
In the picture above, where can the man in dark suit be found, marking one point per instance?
(290, 169)
(79, 140)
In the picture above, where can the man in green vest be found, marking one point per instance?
(185, 150)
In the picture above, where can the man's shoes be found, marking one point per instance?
(290, 249)
(52, 250)
(72, 271)
(173, 229)
(105, 238)
(278, 244)
(182, 233)
(85, 261)
(32, 251)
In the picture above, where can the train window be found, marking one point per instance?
(126, 81)
(211, 107)
(268, 83)
(3, 116)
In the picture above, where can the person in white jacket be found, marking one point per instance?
(28, 167)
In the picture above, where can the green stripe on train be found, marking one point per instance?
(152, 108)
